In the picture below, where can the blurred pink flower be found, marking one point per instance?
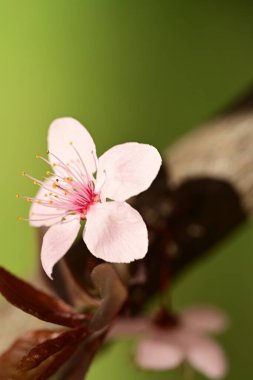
(82, 186)
(167, 344)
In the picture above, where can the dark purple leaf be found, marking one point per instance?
(9, 359)
(35, 356)
(113, 294)
(54, 363)
(39, 304)
(50, 347)
(75, 292)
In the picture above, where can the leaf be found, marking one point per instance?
(39, 354)
(54, 363)
(113, 294)
(50, 347)
(9, 359)
(39, 304)
(75, 291)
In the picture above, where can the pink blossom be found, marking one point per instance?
(183, 338)
(82, 187)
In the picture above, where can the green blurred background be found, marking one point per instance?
(128, 70)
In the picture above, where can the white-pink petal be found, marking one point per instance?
(115, 232)
(57, 241)
(204, 319)
(129, 169)
(41, 215)
(207, 357)
(158, 355)
(65, 137)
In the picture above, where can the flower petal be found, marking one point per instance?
(208, 357)
(66, 137)
(158, 355)
(41, 215)
(129, 168)
(115, 232)
(204, 319)
(57, 241)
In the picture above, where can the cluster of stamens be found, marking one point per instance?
(69, 191)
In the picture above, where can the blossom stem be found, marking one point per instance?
(187, 372)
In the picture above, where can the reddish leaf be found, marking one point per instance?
(32, 358)
(54, 363)
(50, 347)
(9, 359)
(20, 362)
(78, 365)
(78, 296)
(113, 294)
(37, 303)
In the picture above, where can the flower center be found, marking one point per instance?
(70, 190)
(164, 319)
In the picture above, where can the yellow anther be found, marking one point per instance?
(71, 143)
(37, 156)
(48, 172)
(28, 199)
(39, 202)
(50, 202)
(23, 173)
(54, 164)
(19, 218)
(35, 182)
(47, 152)
(50, 193)
(54, 185)
(17, 195)
(70, 179)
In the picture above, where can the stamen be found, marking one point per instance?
(73, 189)
(63, 166)
(38, 182)
(81, 160)
(43, 159)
